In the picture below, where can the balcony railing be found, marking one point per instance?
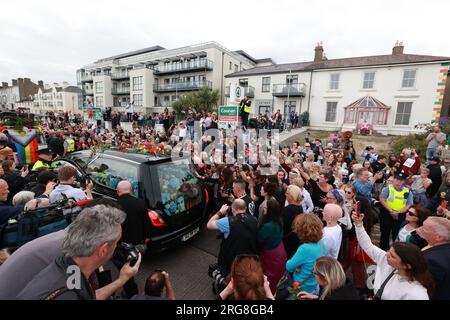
(188, 66)
(164, 104)
(120, 90)
(86, 78)
(120, 75)
(181, 86)
(248, 91)
(291, 90)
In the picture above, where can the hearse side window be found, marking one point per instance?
(180, 189)
(109, 172)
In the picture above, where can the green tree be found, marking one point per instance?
(204, 100)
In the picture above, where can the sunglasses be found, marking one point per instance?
(412, 213)
(348, 192)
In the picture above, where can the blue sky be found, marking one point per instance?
(50, 39)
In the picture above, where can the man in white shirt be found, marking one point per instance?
(67, 176)
(332, 233)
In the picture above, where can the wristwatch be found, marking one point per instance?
(219, 214)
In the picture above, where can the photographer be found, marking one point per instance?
(239, 237)
(154, 287)
(67, 176)
(85, 248)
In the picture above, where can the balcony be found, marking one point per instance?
(291, 90)
(87, 78)
(120, 75)
(118, 91)
(181, 86)
(189, 66)
(248, 91)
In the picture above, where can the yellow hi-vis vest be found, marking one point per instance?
(39, 164)
(71, 144)
(245, 106)
(396, 199)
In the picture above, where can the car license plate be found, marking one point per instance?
(189, 235)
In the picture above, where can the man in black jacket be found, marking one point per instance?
(290, 239)
(239, 193)
(436, 231)
(435, 176)
(7, 211)
(136, 227)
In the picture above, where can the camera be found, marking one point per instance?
(127, 252)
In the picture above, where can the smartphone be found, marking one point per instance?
(25, 167)
(358, 208)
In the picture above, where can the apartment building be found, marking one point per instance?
(389, 94)
(153, 78)
(57, 98)
(20, 90)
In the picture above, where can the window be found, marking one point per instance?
(265, 84)
(138, 84)
(109, 172)
(409, 78)
(99, 87)
(137, 98)
(334, 81)
(289, 106)
(403, 113)
(174, 98)
(369, 79)
(236, 68)
(292, 79)
(179, 188)
(99, 102)
(331, 112)
(231, 65)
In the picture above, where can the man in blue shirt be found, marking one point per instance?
(363, 185)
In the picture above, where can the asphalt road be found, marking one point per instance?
(187, 265)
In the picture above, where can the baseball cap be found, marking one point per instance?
(45, 151)
(437, 159)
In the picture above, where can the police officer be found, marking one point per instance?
(69, 143)
(45, 159)
(396, 199)
(245, 107)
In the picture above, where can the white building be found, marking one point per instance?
(389, 94)
(53, 98)
(155, 77)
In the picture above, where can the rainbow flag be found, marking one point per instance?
(26, 144)
(28, 154)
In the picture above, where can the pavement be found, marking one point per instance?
(187, 265)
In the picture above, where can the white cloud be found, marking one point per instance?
(50, 39)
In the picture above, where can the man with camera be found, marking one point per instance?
(89, 244)
(154, 287)
(67, 176)
(396, 199)
(239, 237)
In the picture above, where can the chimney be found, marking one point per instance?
(398, 49)
(5, 84)
(20, 80)
(27, 80)
(318, 56)
(41, 83)
(14, 82)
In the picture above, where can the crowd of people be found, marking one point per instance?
(301, 233)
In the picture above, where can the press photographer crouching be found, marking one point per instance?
(239, 237)
(90, 243)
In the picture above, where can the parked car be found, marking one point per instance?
(175, 198)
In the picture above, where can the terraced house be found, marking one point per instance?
(389, 94)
